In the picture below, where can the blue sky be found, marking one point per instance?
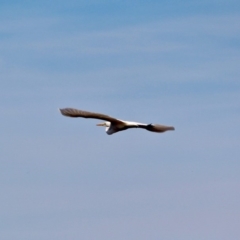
(170, 62)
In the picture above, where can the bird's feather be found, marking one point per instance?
(72, 112)
(158, 128)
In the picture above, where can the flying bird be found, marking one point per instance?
(114, 125)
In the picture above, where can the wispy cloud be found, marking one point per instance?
(182, 50)
(168, 35)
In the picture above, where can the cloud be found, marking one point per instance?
(187, 49)
(164, 36)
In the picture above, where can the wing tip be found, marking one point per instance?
(64, 111)
(60, 110)
(159, 128)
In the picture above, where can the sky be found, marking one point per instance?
(168, 62)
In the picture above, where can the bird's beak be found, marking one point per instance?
(101, 124)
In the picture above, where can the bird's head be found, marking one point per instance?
(104, 124)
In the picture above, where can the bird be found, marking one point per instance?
(112, 124)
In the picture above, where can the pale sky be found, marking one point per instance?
(168, 62)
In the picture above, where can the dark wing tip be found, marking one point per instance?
(63, 111)
(69, 112)
(159, 128)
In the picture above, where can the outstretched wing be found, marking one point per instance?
(72, 112)
(158, 128)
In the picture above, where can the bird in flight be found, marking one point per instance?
(114, 125)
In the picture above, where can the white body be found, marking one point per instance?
(120, 126)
